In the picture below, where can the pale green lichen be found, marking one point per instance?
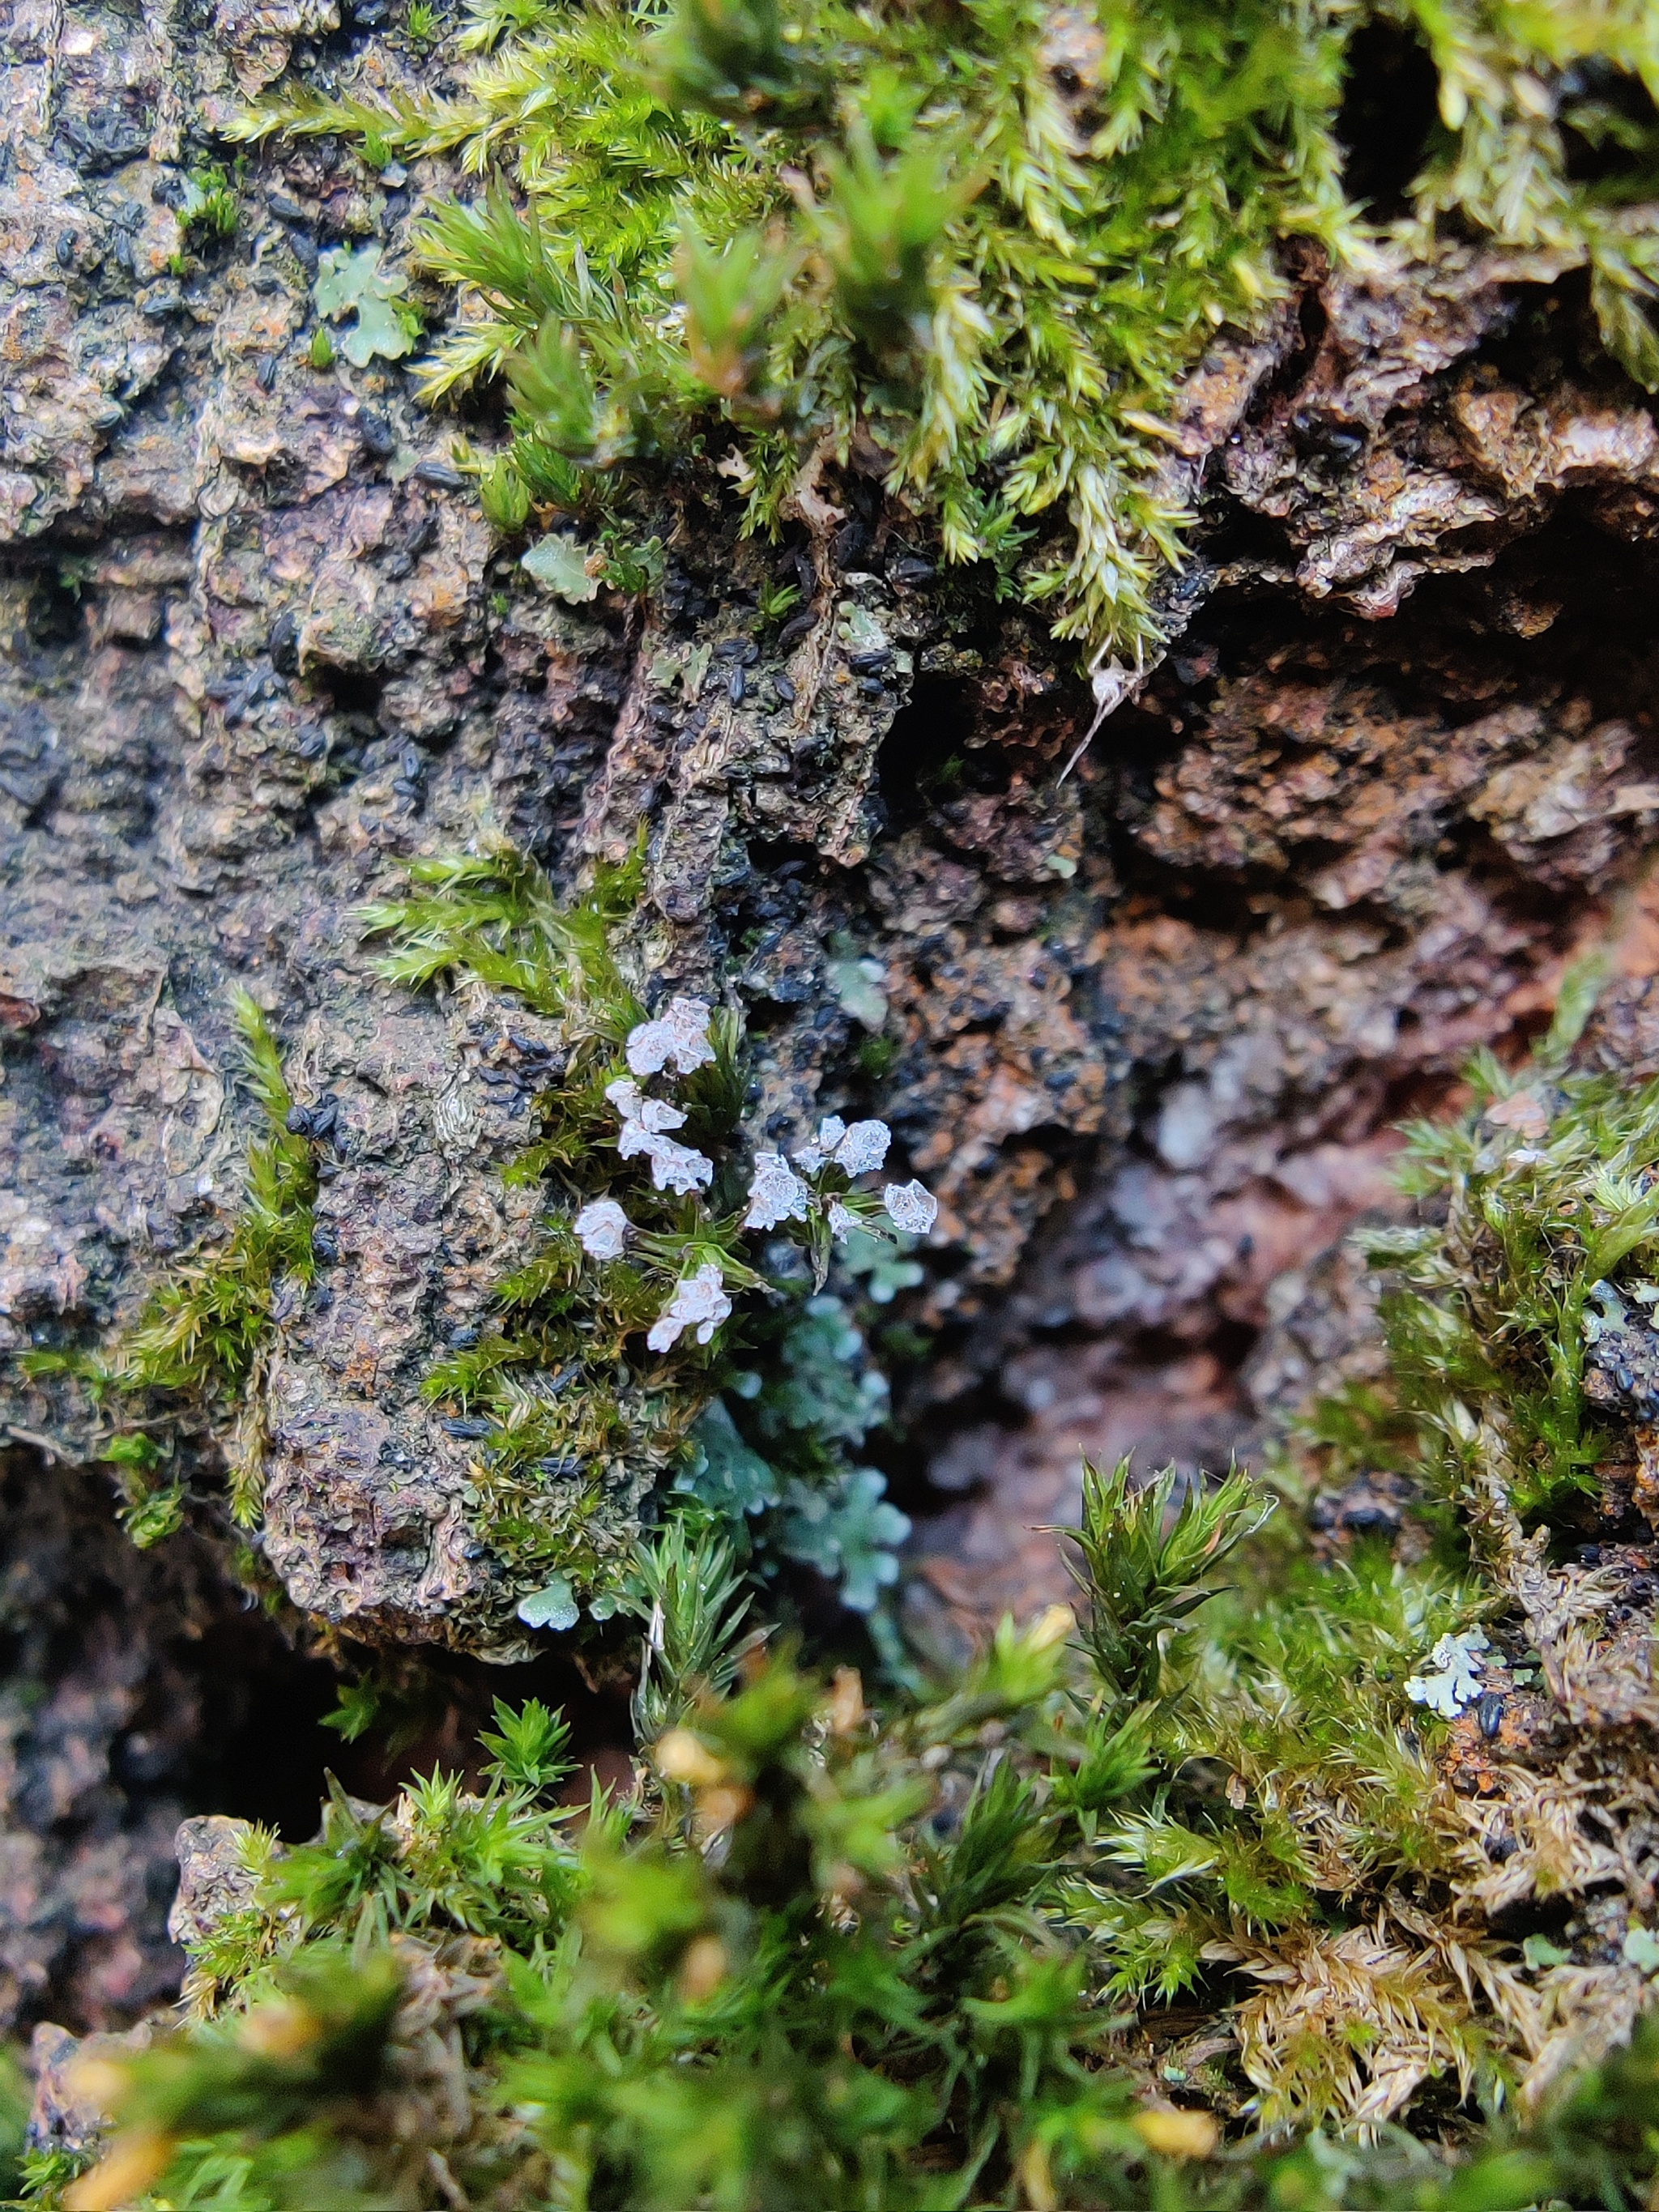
(385, 323)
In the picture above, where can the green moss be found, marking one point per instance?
(203, 1332)
(16, 2096)
(1335, 1861)
(569, 1395)
(560, 1375)
(1514, 1318)
(210, 206)
(818, 1953)
(1218, 1803)
(878, 1057)
(1515, 1315)
(1544, 1227)
(990, 239)
(668, 2024)
(204, 1329)
(1334, 1806)
(1293, 1691)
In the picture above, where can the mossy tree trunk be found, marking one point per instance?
(1145, 1027)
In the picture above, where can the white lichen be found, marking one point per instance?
(776, 1193)
(679, 1038)
(651, 1115)
(911, 1206)
(699, 1303)
(602, 1230)
(1452, 1680)
(810, 1157)
(645, 1121)
(679, 1168)
(863, 1147)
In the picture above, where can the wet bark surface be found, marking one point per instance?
(1147, 1027)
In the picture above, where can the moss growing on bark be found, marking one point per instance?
(649, 1284)
(820, 1952)
(981, 245)
(654, 1279)
(203, 1332)
(1316, 1890)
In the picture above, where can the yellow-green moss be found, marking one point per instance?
(987, 239)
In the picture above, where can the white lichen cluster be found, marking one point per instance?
(699, 1303)
(1452, 1677)
(680, 1035)
(602, 1228)
(778, 1195)
(645, 1122)
(814, 1188)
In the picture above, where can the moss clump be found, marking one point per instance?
(1374, 1701)
(208, 205)
(204, 1331)
(1516, 1306)
(819, 1953)
(987, 241)
(1431, 1738)
(498, 919)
